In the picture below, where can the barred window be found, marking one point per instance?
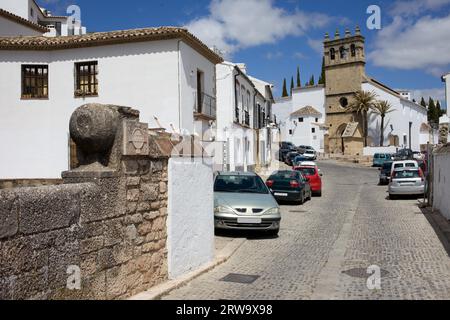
(86, 79)
(34, 81)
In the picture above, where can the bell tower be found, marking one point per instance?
(344, 71)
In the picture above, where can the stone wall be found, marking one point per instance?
(106, 223)
(22, 183)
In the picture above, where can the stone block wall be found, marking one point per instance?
(105, 226)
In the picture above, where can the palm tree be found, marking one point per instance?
(363, 102)
(383, 108)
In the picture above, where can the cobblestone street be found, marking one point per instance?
(325, 247)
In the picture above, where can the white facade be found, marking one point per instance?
(397, 123)
(445, 118)
(31, 11)
(159, 78)
(303, 129)
(235, 94)
(9, 28)
(441, 182)
(190, 224)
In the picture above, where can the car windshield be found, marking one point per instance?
(307, 171)
(410, 165)
(284, 175)
(237, 183)
(407, 174)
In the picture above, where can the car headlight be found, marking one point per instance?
(223, 209)
(272, 211)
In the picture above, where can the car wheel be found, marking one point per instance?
(302, 199)
(319, 194)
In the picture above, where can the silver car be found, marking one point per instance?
(407, 181)
(243, 201)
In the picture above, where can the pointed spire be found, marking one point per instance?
(358, 31)
(337, 35)
(347, 33)
(327, 36)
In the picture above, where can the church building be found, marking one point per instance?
(342, 130)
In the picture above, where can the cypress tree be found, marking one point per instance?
(285, 93)
(439, 109)
(292, 85)
(299, 83)
(322, 79)
(423, 103)
(312, 81)
(433, 114)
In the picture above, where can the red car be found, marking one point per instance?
(314, 177)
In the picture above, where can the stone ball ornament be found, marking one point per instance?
(93, 128)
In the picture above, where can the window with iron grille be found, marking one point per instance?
(86, 78)
(34, 81)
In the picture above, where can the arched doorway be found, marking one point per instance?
(339, 135)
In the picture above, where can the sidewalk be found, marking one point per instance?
(225, 248)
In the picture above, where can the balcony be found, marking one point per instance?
(205, 107)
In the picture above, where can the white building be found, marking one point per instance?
(301, 117)
(446, 79)
(242, 117)
(23, 17)
(166, 73)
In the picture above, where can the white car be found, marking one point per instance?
(403, 164)
(310, 154)
(307, 163)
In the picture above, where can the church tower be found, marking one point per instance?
(344, 73)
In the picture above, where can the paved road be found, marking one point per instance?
(326, 246)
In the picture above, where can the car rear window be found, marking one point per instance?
(387, 165)
(284, 175)
(243, 184)
(399, 165)
(307, 171)
(410, 165)
(407, 174)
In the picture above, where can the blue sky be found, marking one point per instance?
(272, 37)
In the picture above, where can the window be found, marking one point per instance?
(86, 79)
(291, 132)
(317, 120)
(32, 12)
(353, 50)
(332, 54)
(343, 102)
(313, 130)
(34, 81)
(200, 82)
(343, 52)
(301, 120)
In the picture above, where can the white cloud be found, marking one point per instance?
(316, 45)
(238, 24)
(274, 55)
(416, 7)
(299, 55)
(423, 44)
(435, 93)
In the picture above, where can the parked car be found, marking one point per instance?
(243, 201)
(314, 177)
(380, 158)
(299, 159)
(404, 164)
(303, 149)
(385, 173)
(407, 181)
(404, 154)
(310, 155)
(289, 186)
(290, 157)
(285, 148)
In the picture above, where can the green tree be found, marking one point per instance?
(312, 81)
(285, 93)
(362, 103)
(383, 108)
(292, 85)
(439, 109)
(423, 103)
(299, 83)
(433, 113)
(322, 79)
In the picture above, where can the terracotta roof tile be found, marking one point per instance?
(108, 38)
(306, 111)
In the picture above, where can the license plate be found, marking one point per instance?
(250, 220)
(281, 194)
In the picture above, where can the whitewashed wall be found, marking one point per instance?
(18, 7)
(405, 111)
(10, 28)
(441, 183)
(370, 151)
(145, 76)
(190, 221)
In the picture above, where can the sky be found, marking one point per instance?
(410, 51)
